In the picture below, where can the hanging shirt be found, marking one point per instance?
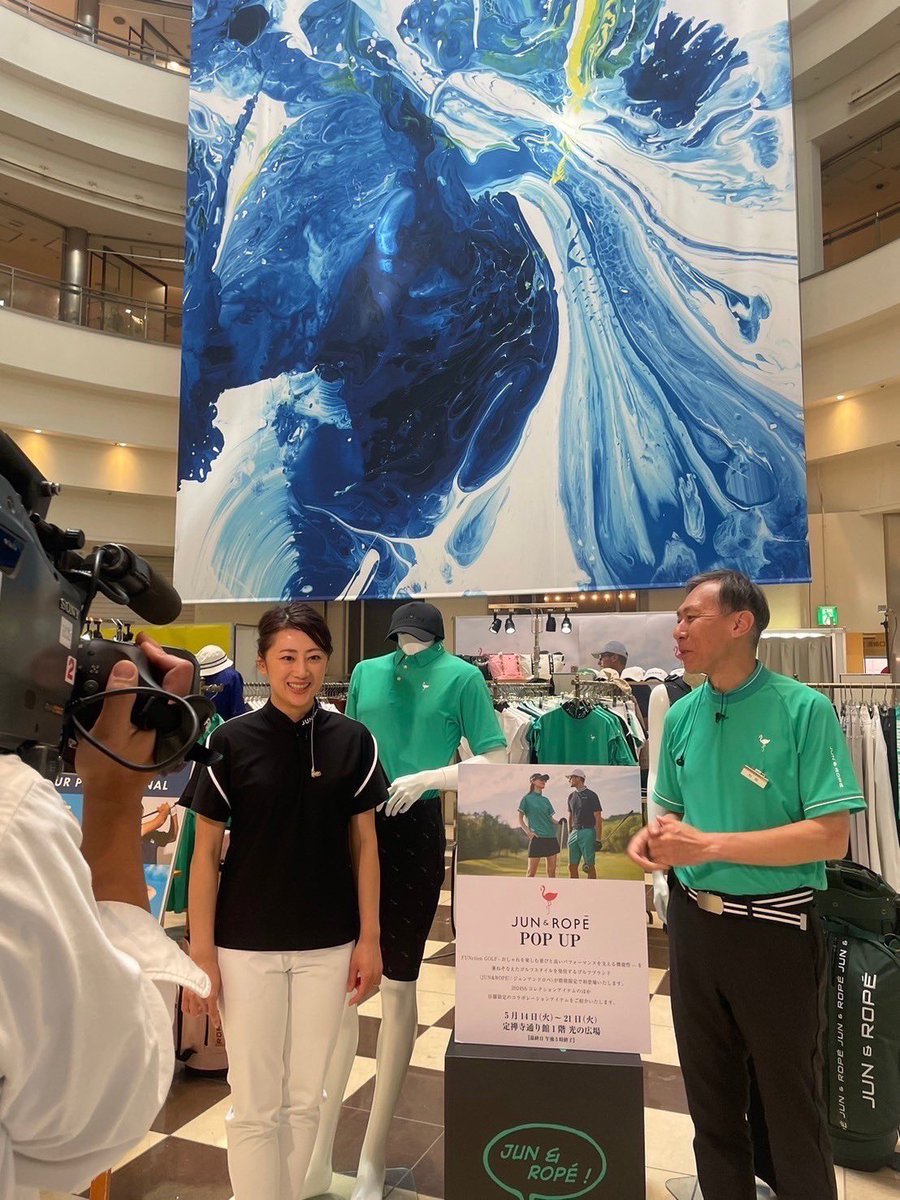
(596, 739)
(538, 812)
(420, 707)
(766, 754)
(229, 700)
(290, 789)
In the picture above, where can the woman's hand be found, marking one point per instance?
(364, 975)
(195, 1006)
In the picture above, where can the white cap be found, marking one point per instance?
(633, 674)
(212, 660)
(656, 673)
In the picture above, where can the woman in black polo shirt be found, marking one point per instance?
(293, 925)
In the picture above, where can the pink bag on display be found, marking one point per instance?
(505, 668)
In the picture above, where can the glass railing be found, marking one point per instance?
(103, 311)
(853, 240)
(136, 48)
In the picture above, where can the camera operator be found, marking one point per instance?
(86, 1047)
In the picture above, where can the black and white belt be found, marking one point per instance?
(781, 908)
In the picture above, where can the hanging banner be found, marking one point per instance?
(489, 298)
(544, 959)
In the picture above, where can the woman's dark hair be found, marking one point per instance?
(294, 615)
(737, 593)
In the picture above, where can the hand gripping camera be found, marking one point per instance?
(52, 681)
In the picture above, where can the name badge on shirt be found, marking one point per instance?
(755, 776)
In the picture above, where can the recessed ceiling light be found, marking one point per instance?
(37, 431)
(123, 444)
(841, 396)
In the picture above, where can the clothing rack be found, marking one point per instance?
(334, 689)
(593, 690)
(256, 691)
(872, 688)
(518, 691)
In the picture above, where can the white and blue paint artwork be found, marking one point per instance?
(489, 296)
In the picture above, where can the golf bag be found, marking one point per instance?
(861, 914)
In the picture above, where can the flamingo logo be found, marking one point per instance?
(549, 897)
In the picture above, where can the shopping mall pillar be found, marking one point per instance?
(892, 580)
(87, 14)
(74, 274)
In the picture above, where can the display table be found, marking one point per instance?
(553, 1123)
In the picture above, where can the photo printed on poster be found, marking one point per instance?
(551, 944)
(463, 278)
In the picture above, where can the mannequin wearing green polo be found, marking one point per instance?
(755, 779)
(418, 702)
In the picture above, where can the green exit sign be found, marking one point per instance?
(828, 614)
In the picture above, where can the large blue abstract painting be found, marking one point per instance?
(489, 296)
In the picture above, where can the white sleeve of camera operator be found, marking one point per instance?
(86, 1051)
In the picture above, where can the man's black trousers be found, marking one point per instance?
(746, 990)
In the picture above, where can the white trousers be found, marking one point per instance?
(280, 1013)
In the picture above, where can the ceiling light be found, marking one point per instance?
(841, 396)
(495, 624)
(510, 625)
(37, 431)
(551, 623)
(122, 444)
(566, 626)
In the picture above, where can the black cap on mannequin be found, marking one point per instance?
(420, 620)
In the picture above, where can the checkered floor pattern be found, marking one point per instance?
(183, 1157)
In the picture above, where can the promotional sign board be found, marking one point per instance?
(548, 960)
(160, 827)
(542, 1124)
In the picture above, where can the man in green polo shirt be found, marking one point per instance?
(756, 779)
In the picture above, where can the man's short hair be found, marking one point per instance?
(737, 593)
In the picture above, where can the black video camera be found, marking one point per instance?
(52, 680)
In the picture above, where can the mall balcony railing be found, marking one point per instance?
(848, 242)
(105, 312)
(136, 47)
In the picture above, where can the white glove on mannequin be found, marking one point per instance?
(407, 789)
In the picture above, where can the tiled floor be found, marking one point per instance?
(184, 1157)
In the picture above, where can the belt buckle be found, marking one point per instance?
(711, 903)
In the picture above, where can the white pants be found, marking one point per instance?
(281, 1013)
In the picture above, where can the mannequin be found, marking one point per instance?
(660, 703)
(413, 800)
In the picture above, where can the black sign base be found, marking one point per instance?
(687, 1188)
(553, 1124)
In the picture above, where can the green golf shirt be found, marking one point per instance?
(788, 738)
(595, 739)
(538, 812)
(419, 707)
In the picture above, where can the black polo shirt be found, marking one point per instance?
(287, 882)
